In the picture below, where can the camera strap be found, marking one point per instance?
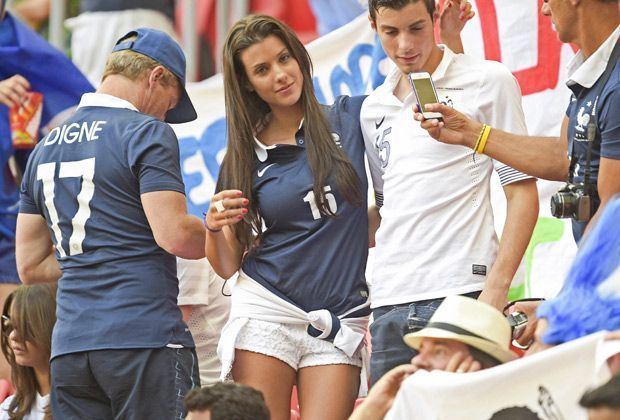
(593, 129)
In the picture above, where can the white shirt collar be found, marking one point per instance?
(391, 80)
(108, 101)
(586, 72)
(261, 150)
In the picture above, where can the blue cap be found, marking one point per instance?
(162, 48)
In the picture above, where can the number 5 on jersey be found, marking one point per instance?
(331, 202)
(80, 168)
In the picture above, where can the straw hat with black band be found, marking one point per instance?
(470, 322)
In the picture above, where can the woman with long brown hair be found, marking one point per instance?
(28, 318)
(290, 212)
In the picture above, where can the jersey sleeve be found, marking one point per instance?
(153, 156)
(610, 124)
(350, 104)
(372, 155)
(501, 108)
(27, 203)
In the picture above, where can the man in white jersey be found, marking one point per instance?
(436, 236)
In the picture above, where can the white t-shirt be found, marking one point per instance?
(200, 287)
(36, 413)
(437, 235)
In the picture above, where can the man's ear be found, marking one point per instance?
(373, 25)
(156, 74)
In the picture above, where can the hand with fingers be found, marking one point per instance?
(452, 19)
(455, 127)
(382, 394)
(454, 16)
(537, 344)
(13, 90)
(462, 363)
(227, 208)
(529, 309)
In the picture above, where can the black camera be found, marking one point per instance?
(572, 201)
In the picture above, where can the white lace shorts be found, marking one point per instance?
(292, 344)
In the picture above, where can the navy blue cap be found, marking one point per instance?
(162, 48)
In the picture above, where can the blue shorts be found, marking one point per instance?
(123, 384)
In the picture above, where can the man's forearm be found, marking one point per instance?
(189, 241)
(46, 271)
(541, 157)
(521, 217)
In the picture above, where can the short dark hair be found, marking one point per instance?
(228, 401)
(606, 395)
(486, 360)
(375, 5)
(515, 413)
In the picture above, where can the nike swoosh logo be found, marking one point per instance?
(378, 124)
(261, 172)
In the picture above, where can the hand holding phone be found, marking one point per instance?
(518, 322)
(425, 93)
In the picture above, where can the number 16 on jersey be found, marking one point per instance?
(329, 196)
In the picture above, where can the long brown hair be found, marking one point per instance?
(245, 111)
(31, 311)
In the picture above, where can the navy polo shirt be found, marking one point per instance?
(312, 261)
(601, 104)
(118, 288)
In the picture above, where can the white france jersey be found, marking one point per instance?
(310, 260)
(437, 235)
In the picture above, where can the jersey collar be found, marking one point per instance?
(104, 100)
(262, 151)
(586, 72)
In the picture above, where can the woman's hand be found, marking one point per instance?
(227, 208)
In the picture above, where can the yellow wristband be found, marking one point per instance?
(483, 139)
(479, 137)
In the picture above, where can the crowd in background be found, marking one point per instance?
(281, 299)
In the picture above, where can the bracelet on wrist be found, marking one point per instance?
(207, 226)
(477, 143)
(482, 142)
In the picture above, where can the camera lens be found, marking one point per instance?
(563, 205)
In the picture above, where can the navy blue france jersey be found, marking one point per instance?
(118, 288)
(600, 104)
(311, 260)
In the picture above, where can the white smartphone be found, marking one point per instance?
(425, 92)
